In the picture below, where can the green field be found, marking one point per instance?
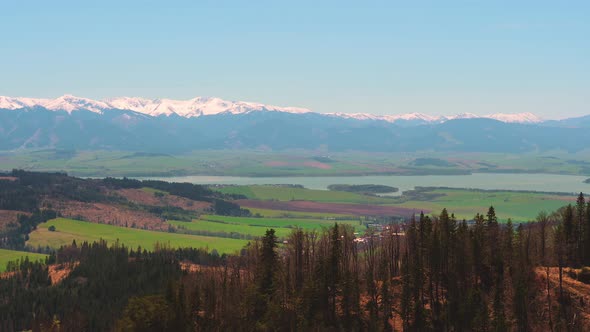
(279, 222)
(229, 228)
(12, 255)
(287, 193)
(292, 163)
(207, 162)
(267, 213)
(519, 206)
(465, 203)
(69, 229)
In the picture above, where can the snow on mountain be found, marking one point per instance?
(209, 106)
(200, 106)
(357, 116)
(463, 116)
(71, 103)
(425, 118)
(66, 103)
(390, 117)
(516, 118)
(12, 103)
(186, 108)
(194, 107)
(135, 104)
(413, 117)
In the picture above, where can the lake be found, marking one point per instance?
(528, 182)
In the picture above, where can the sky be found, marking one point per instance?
(390, 57)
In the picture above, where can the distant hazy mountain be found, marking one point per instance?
(211, 123)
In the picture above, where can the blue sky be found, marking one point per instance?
(436, 57)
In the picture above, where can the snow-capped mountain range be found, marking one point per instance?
(425, 118)
(179, 126)
(201, 106)
(155, 107)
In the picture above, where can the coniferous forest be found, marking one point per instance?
(426, 274)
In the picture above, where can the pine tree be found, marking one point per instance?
(268, 261)
(266, 274)
(580, 219)
(491, 216)
(406, 296)
(569, 236)
(386, 295)
(334, 275)
(520, 284)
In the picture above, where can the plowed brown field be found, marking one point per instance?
(340, 208)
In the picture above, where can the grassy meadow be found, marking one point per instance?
(287, 193)
(519, 206)
(292, 163)
(68, 230)
(267, 213)
(464, 203)
(234, 229)
(12, 255)
(278, 222)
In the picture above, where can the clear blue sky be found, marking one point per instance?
(436, 57)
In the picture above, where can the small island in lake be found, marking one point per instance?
(369, 189)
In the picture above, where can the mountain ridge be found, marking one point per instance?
(170, 126)
(202, 106)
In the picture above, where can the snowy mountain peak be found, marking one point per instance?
(13, 103)
(419, 117)
(463, 116)
(71, 103)
(516, 117)
(195, 107)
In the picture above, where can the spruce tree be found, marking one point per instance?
(334, 275)
(580, 219)
(266, 274)
(569, 236)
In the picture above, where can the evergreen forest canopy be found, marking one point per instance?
(364, 188)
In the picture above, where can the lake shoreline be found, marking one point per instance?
(523, 182)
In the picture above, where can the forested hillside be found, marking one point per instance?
(29, 198)
(427, 274)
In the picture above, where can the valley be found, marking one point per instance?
(292, 163)
(83, 232)
(327, 166)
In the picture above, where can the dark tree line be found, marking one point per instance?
(93, 296)
(14, 236)
(430, 274)
(27, 191)
(575, 232)
(186, 190)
